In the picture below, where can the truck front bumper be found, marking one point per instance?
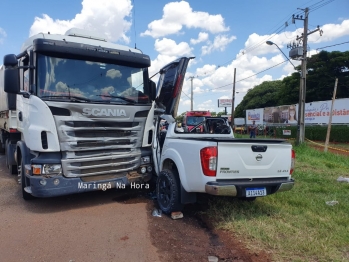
(238, 189)
(59, 185)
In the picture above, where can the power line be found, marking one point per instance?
(319, 6)
(279, 29)
(332, 45)
(247, 77)
(186, 95)
(256, 45)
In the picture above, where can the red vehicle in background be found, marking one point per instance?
(193, 118)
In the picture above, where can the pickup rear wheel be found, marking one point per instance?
(168, 191)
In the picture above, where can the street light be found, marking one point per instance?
(301, 104)
(272, 43)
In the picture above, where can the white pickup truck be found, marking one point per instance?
(208, 159)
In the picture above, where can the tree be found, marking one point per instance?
(322, 68)
(179, 118)
(263, 95)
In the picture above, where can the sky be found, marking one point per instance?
(221, 35)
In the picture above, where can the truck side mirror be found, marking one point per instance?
(11, 74)
(152, 89)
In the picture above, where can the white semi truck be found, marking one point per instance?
(76, 114)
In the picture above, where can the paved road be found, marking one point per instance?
(83, 227)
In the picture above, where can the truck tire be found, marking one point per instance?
(168, 191)
(21, 175)
(12, 168)
(2, 148)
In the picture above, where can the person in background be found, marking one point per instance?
(179, 128)
(253, 128)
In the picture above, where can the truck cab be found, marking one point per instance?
(84, 114)
(193, 118)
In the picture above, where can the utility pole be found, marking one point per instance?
(191, 97)
(233, 103)
(302, 87)
(330, 119)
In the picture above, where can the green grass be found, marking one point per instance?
(296, 225)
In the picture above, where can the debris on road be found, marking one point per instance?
(332, 203)
(156, 213)
(176, 215)
(343, 179)
(212, 259)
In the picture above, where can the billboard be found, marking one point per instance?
(239, 121)
(314, 113)
(225, 102)
(319, 112)
(254, 115)
(281, 115)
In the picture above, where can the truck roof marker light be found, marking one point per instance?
(208, 157)
(293, 158)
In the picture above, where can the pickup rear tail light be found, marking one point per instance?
(293, 157)
(208, 156)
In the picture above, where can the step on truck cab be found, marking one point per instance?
(83, 114)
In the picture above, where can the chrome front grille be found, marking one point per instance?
(100, 146)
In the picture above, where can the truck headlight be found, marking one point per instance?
(51, 169)
(145, 160)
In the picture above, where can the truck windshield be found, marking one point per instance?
(194, 120)
(62, 79)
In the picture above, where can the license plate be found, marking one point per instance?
(254, 192)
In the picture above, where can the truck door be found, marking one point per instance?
(170, 85)
(168, 93)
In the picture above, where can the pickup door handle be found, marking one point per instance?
(20, 117)
(259, 148)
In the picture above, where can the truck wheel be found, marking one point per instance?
(2, 148)
(21, 175)
(168, 191)
(12, 168)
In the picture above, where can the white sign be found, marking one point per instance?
(254, 115)
(286, 132)
(225, 102)
(239, 121)
(319, 112)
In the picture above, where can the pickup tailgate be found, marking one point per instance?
(253, 159)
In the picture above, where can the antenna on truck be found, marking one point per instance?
(134, 22)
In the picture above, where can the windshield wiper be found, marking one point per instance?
(71, 98)
(120, 97)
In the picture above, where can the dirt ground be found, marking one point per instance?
(191, 238)
(106, 226)
(343, 152)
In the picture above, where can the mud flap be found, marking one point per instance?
(186, 197)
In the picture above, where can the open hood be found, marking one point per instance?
(170, 85)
